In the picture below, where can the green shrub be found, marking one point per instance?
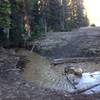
(37, 32)
(93, 25)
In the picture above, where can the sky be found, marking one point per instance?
(93, 11)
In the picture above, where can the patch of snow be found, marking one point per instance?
(88, 80)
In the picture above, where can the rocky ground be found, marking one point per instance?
(13, 87)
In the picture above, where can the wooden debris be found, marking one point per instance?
(74, 60)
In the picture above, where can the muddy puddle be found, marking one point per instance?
(40, 71)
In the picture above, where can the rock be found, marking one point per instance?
(78, 71)
(91, 51)
(68, 69)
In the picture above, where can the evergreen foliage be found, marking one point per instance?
(21, 20)
(5, 21)
(5, 12)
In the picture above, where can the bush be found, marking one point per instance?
(68, 25)
(37, 32)
(93, 25)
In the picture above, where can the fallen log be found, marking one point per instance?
(74, 60)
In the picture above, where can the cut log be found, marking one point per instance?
(74, 60)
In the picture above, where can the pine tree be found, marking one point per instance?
(54, 16)
(78, 16)
(19, 22)
(16, 23)
(5, 12)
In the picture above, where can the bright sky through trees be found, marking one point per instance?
(93, 11)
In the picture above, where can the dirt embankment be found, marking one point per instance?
(13, 87)
(80, 43)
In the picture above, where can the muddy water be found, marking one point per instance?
(39, 70)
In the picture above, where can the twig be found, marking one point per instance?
(70, 82)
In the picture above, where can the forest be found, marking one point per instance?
(25, 20)
(49, 50)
